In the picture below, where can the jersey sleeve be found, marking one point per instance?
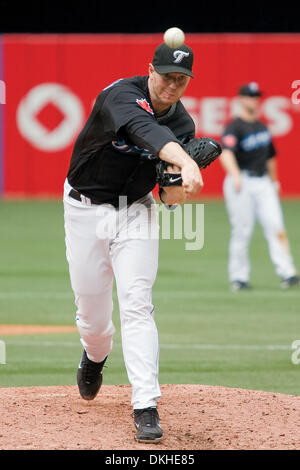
(131, 114)
(272, 151)
(230, 138)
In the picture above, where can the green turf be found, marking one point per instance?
(208, 335)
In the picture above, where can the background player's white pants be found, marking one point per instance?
(258, 200)
(99, 248)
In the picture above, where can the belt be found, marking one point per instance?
(256, 173)
(80, 197)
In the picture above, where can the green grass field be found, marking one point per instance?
(208, 335)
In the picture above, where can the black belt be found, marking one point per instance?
(80, 197)
(87, 200)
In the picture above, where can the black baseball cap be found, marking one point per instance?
(250, 89)
(168, 60)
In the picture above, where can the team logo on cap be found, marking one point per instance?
(179, 56)
(145, 105)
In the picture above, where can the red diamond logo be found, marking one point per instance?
(50, 116)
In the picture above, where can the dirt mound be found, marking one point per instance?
(193, 417)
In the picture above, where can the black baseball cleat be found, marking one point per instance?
(89, 377)
(290, 282)
(147, 424)
(240, 285)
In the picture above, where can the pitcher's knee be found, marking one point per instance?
(96, 330)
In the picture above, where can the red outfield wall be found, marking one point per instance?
(51, 82)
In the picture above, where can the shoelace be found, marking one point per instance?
(92, 370)
(91, 373)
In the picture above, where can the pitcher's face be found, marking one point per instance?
(166, 89)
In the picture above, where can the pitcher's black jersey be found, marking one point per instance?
(117, 150)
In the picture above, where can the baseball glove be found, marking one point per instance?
(203, 150)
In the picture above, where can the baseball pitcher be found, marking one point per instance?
(136, 134)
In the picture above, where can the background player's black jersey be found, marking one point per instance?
(251, 142)
(116, 152)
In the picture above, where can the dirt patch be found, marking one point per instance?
(193, 417)
(6, 330)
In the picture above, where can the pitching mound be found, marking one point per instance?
(193, 417)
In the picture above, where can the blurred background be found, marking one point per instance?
(55, 57)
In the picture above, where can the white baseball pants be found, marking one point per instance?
(103, 244)
(258, 200)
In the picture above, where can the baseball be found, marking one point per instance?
(174, 37)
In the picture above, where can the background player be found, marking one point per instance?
(134, 123)
(250, 191)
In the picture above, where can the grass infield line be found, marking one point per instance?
(178, 293)
(213, 347)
